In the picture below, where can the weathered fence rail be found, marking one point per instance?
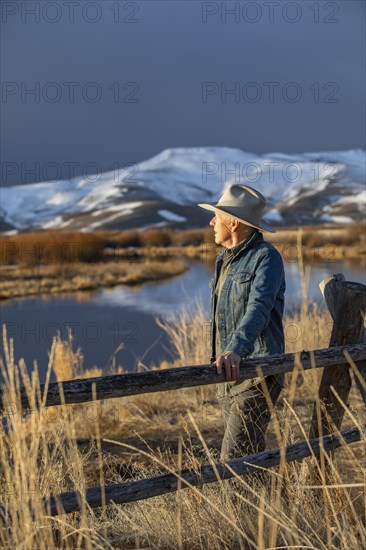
(124, 385)
(132, 491)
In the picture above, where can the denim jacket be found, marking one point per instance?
(251, 303)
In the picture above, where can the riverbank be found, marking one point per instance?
(40, 263)
(60, 278)
(137, 266)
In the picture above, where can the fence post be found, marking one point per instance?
(347, 305)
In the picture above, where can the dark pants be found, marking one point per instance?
(246, 417)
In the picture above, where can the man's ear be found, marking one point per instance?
(234, 224)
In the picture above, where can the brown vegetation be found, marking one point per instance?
(319, 243)
(72, 447)
(54, 279)
(53, 262)
(50, 247)
(156, 237)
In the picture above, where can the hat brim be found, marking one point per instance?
(262, 226)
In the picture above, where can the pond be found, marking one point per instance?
(118, 325)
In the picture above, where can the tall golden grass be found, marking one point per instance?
(68, 447)
(40, 455)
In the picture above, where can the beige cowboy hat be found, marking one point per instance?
(243, 203)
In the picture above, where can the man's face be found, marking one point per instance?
(222, 230)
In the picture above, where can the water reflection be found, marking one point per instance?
(104, 320)
(185, 291)
(313, 275)
(162, 298)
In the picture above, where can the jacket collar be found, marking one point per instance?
(243, 245)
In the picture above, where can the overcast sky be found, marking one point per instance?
(117, 82)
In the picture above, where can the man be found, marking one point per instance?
(247, 304)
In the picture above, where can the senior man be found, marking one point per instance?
(247, 304)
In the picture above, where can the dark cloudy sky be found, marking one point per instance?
(117, 82)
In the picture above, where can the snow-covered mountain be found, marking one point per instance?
(302, 188)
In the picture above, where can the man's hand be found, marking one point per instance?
(230, 361)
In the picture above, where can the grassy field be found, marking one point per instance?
(70, 447)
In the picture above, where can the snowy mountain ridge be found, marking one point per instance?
(302, 188)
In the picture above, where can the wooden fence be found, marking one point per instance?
(125, 385)
(347, 349)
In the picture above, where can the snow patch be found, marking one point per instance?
(123, 210)
(56, 222)
(342, 219)
(171, 216)
(274, 216)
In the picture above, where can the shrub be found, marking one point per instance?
(156, 237)
(129, 237)
(188, 237)
(50, 247)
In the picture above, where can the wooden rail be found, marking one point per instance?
(123, 385)
(121, 493)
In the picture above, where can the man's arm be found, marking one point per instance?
(268, 277)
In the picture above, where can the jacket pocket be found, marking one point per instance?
(241, 285)
(243, 277)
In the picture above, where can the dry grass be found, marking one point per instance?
(55, 279)
(65, 448)
(62, 448)
(319, 243)
(54, 262)
(322, 243)
(50, 247)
